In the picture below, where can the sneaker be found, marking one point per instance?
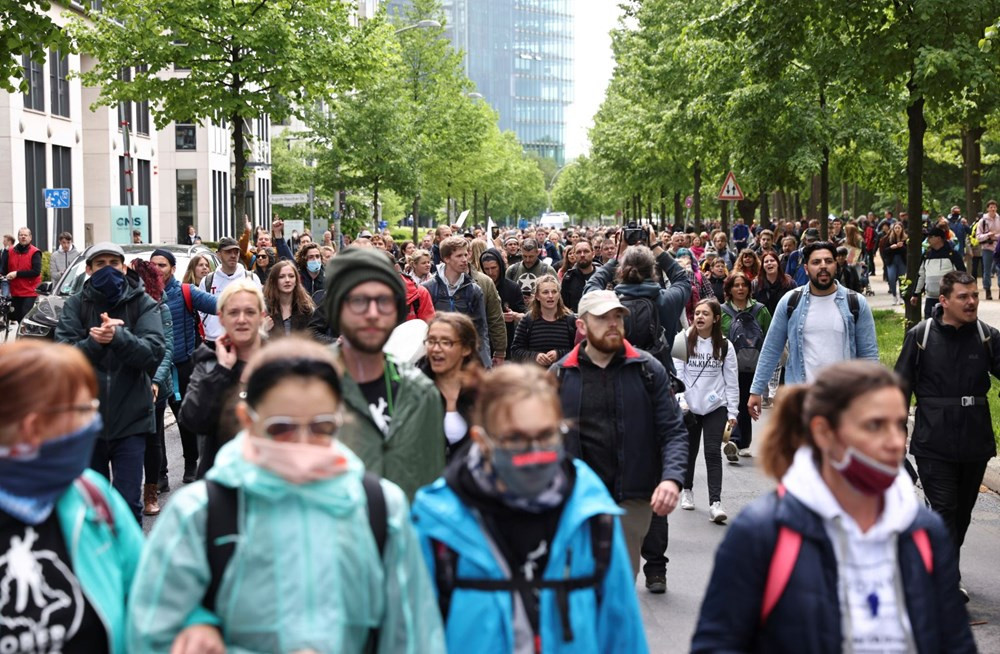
(965, 593)
(687, 500)
(717, 514)
(190, 472)
(731, 451)
(989, 294)
(745, 453)
(656, 584)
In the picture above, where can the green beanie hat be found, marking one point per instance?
(356, 266)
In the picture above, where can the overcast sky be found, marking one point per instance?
(593, 62)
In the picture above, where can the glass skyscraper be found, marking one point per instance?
(519, 53)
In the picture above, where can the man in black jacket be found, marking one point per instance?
(947, 361)
(492, 265)
(626, 424)
(576, 278)
(119, 328)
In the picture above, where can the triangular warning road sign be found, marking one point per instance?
(730, 189)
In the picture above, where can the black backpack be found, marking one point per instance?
(643, 329)
(221, 527)
(746, 336)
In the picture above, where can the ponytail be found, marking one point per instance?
(786, 431)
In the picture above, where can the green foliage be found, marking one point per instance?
(27, 30)
(46, 263)
(578, 191)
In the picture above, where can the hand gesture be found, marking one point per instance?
(247, 223)
(753, 406)
(106, 332)
(225, 352)
(199, 639)
(268, 323)
(278, 228)
(620, 240)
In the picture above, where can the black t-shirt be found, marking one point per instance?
(598, 424)
(42, 605)
(380, 403)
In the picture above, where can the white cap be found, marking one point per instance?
(598, 303)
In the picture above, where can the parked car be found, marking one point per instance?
(41, 321)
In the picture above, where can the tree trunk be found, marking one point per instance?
(843, 197)
(416, 215)
(463, 199)
(486, 207)
(698, 226)
(824, 194)
(724, 206)
(475, 205)
(972, 165)
(854, 201)
(778, 200)
(678, 210)
(765, 210)
(375, 206)
(239, 176)
(916, 126)
(797, 207)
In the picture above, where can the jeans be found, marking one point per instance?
(711, 425)
(895, 270)
(654, 546)
(744, 422)
(988, 267)
(189, 440)
(952, 488)
(121, 461)
(635, 523)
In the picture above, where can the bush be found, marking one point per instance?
(46, 258)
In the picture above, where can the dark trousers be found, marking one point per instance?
(155, 447)
(977, 266)
(952, 488)
(654, 547)
(189, 440)
(121, 461)
(21, 307)
(929, 304)
(711, 426)
(744, 424)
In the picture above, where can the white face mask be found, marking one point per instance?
(296, 463)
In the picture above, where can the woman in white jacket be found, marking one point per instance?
(711, 397)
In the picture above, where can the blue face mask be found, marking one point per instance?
(314, 266)
(32, 481)
(110, 283)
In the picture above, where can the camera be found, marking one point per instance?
(635, 235)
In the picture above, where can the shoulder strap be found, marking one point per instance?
(377, 514)
(925, 325)
(854, 304)
(756, 307)
(984, 337)
(95, 499)
(793, 302)
(923, 543)
(602, 530)
(786, 553)
(220, 523)
(208, 282)
(647, 380)
(186, 292)
(728, 310)
(445, 564)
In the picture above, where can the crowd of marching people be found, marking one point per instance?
(474, 442)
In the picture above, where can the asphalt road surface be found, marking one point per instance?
(670, 619)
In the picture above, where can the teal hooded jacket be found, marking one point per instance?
(305, 574)
(483, 621)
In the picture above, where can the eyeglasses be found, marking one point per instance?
(90, 407)
(445, 343)
(524, 442)
(285, 428)
(358, 304)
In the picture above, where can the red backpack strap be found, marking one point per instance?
(95, 499)
(189, 305)
(786, 552)
(923, 543)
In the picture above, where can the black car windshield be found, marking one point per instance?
(74, 277)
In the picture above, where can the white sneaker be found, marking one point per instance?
(731, 451)
(716, 513)
(745, 453)
(687, 500)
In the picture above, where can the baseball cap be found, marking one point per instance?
(598, 303)
(365, 234)
(105, 247)
(227, 243)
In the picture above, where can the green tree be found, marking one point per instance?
(27, 30)
(243, 59)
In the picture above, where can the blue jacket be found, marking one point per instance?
(184, 330)
(468, 299)
(652, 439)
(103, 562)
(807, 616)
(482, 622)
(859, 344)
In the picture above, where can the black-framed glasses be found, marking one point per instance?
(286, 428)
(522, 442)
(358, 304)
(445, 343)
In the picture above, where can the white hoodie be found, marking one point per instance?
(709, 383)
(220, 280)
(870, 587)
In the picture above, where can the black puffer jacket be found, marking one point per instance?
(209, 405)
(955, 364)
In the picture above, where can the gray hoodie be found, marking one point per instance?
(60, 261)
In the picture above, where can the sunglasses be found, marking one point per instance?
(285, 428)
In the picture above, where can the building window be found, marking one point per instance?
(220, 204)
(187, 202)
(34, 75)
(142, 109)
(62, 177)
(143, 185)
(185, 136)
(34, 183)
(58, 84)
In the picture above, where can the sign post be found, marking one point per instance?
(731, 192)
(55, 198)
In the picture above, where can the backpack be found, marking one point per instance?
(643, 329)
(786, 554)
(189, 305)
(221, 528)
(601, 538)
(852, 303)
(746, 335)
(925, 326)
(973, 235)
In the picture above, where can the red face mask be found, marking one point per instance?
(865, 474)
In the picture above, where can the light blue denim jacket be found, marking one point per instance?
(861, 342)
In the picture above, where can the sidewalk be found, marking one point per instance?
(989, 312)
